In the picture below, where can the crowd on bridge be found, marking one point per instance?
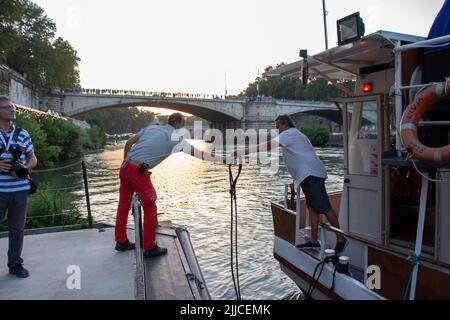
(175, 95)
(148, 94)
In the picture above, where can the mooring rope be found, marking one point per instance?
(234, 221)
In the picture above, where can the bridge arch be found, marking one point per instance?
(210, 110)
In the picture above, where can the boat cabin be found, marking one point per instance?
(392, 206)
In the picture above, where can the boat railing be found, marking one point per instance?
(393, 252)
(140, 269)
(300, 233)
(398, 50)
(401, 253)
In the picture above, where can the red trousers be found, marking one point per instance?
(132, 181)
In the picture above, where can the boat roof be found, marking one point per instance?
(346, 61)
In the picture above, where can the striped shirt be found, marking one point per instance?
(9, 183)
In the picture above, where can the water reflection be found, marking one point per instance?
(195, 194)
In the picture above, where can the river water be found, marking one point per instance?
(195, 194)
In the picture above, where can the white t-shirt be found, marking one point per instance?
(300, 156)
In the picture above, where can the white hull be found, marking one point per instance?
(300, 266)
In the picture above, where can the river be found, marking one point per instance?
(195, 194)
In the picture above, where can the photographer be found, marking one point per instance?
(17, 159)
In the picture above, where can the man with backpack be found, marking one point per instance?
(17, 159)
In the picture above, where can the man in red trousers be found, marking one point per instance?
(143, 152)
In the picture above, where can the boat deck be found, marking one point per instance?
(174, 276)
(105, 274)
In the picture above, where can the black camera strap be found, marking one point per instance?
(13, 140)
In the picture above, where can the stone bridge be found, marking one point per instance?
(236, 112)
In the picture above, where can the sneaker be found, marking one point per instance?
(340, 246)
(156, 251)
(127, 245)
(19, 271)
(309, 245)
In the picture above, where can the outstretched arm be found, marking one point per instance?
(202, 155)
(259, 148)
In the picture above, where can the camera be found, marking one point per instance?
(19, 170)
(16, 166)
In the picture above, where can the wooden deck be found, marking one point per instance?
(175, 276)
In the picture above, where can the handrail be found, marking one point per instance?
(425, 43)
(393, 251)
(137, 214)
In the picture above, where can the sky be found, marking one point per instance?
(207, 46)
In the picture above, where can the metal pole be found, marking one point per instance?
(298, 218)
(86, 192)
(420, 44)
(398, 99)
(286, 192)
(419, 236)
(137, 214)
(325, 13)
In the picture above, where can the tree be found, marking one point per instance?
(292, 88)
(46, 153)
(27, 44)
(63, 70)
(119, 120)
(317, 134)
(10, 13)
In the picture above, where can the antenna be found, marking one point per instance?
(325, 13)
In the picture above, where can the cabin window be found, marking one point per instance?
(362, 119)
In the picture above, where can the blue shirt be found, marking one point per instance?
(440, 27)
(9, 183)
(155, 144)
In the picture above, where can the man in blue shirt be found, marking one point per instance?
(14, 191)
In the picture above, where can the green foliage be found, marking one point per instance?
(95, 139)
(56, 140)
(65, 134)
(10, 13)
(55, 208)
(317, 134)
(51, 208)
(119, 120)
(28, 45)
(291, 88)
(46, 153)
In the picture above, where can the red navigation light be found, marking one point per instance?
(367, 87)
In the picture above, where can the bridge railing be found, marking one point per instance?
(142, 93)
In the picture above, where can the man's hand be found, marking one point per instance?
(5, 165)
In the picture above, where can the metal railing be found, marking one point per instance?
(138, 233)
